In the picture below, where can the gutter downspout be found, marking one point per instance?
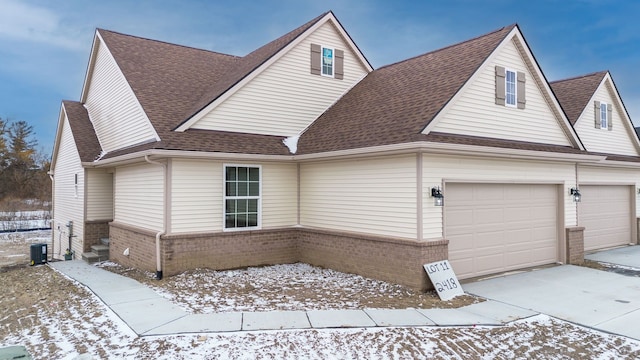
(53, 196)
(162, 232)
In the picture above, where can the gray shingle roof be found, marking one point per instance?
(82, 129)
(395, 103)
(574, 93)
(173, 82)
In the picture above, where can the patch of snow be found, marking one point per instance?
(292, 143)
(102, 154)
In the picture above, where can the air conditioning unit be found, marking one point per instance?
(38, 254)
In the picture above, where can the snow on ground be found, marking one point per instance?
(285, 287)
(57, 318)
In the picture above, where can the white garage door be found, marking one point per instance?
(605, 213)
(498, 227)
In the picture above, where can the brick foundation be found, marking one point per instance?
(141, 244)
(393, 260)
(93, 232)
(575, 245)
(229, 250)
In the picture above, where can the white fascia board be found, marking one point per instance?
(541, 80)
(230, 92)
(159, 153)
(631, 131)
(404, 148)
(453, 149)
(56, 144)
(89, 73)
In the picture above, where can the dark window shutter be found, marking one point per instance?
(609, 117)
(338, 72)
(522, 99)
(500, 85)
(315, 59)
(596, 106)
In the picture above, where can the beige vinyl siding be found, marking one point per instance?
(279, 195)
(99, 195)
(286, 97)
(477, 170)
(371, 196)
(596, 175)
(196, 196)
(475, 112)
(116, 114)
(616, 141)
(68, 203)
(139, 196)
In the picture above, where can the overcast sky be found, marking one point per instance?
(45, 45)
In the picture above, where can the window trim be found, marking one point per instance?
(333, 61)
(506, 87)
(604, 116)
(225, 197)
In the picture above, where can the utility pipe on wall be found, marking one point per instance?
(164, 208)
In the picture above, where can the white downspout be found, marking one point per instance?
(164, 209)
(53, 196)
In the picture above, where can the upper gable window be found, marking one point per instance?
(327, 61)
(603, 115)
(510, 87)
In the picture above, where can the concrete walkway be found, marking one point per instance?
(147, 313)
(599, 299)
(626, 256)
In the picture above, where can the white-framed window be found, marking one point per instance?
(327, 61)
(604, 116)
(242, 196)
(75, 184)
(511, 95)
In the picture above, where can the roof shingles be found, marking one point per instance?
(396, 102)
(574, 94)
(82, 129)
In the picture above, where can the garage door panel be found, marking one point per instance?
(513, 226)
(488, 216)
(605, 213)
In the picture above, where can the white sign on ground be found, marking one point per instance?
(444, 279)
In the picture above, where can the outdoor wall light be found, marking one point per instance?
(438, 198)
(576, 194)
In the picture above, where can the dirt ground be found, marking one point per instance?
(56, 318)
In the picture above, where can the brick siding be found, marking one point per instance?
(393, 260)
(228, 250)
(575, 245)
(93, 232)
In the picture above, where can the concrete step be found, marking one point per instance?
(91, 257)
(104, 241)
(101, 250)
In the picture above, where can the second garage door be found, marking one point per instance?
(605, 213)
(498, 227)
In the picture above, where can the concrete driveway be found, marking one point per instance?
(599, 299)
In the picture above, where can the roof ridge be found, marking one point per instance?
(166, 42)
(580, 76)
(453, 45)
